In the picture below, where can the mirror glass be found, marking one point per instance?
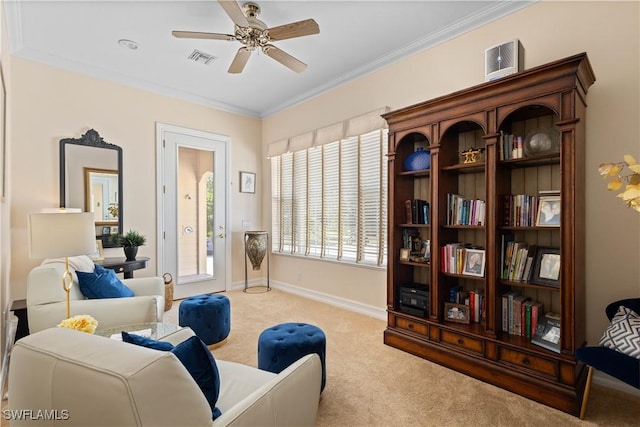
(101, 195)
(91, 180)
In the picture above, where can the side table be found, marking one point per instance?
(19, 308)
(121, 265)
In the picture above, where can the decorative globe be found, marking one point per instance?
(418, 160)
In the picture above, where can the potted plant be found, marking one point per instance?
(130, 241)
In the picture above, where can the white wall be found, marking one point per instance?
(50, 104)
(548, 31)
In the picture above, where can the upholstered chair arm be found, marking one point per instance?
(178, 336)
(145, 285)
(110, 312)
(289, 399)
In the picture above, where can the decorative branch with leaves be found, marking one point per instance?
(625, 173)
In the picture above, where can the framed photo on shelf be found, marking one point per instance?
(458, 313)
(404, 254)
(547, 332)
(247, 182)
(425, 250)
(474, 263)
(546, 267)
(548, 211)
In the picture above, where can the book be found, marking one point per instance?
(507, 304)
(537, 309)
(526, 274)
(527, 319)
(517, 315)
(408, 212)
(453, 293)
(478, 299)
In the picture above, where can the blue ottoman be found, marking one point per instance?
(209, 316)
(281, 345)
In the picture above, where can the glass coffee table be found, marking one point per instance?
(155, 330)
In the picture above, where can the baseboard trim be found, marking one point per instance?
(355, 306)
(608, 381)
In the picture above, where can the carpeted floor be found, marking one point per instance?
(371, 384)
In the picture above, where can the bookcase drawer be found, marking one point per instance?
(462, 341)
(415, 327)
(527, 361)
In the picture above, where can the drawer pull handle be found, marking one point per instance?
(526, 361)
(460, 341)
(410, 325)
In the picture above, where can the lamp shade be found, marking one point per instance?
(55, 235)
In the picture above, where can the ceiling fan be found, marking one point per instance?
(254, 34)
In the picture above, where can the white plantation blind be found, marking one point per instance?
(300, 202)
(329, 201)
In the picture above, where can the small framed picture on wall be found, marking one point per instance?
(247, 182)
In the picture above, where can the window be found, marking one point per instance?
(330, 201)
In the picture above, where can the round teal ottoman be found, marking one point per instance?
(209, 316)
(281, 345)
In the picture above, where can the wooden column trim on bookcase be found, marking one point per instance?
(491, 245)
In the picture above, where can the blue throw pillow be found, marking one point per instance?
(196, 358)
(146, 342)
(102, 283)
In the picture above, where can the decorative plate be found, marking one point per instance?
(542, 141)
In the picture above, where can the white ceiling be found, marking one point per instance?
(356, 38)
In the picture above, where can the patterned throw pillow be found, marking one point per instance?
(623, 334)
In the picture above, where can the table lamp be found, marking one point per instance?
(57, 235)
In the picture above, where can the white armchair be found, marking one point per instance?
(46, 300)
(105, 382)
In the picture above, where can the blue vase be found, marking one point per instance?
(418, 160)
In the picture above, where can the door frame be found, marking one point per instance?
(161, 128)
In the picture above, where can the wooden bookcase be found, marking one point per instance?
(551, 97)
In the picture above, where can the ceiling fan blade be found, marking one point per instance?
(284, 58)
(294, 29)
(200, 35)
(235, 12)
(240, 60)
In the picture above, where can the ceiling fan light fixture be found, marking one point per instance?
(255, 35)
(129, 44)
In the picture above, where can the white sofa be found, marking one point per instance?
(46, 300)
(101, 381)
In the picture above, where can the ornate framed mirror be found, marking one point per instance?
(91, 180)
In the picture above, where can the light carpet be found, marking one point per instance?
(372, 384)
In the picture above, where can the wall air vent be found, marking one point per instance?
(201, 57)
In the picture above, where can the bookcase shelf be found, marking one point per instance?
(530, 285)
(487, 119)
(419, 173)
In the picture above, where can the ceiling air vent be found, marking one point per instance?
(201, 57)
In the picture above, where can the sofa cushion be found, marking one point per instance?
(196, 358)
(102, 283)
(623, 334)
(146, 342)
